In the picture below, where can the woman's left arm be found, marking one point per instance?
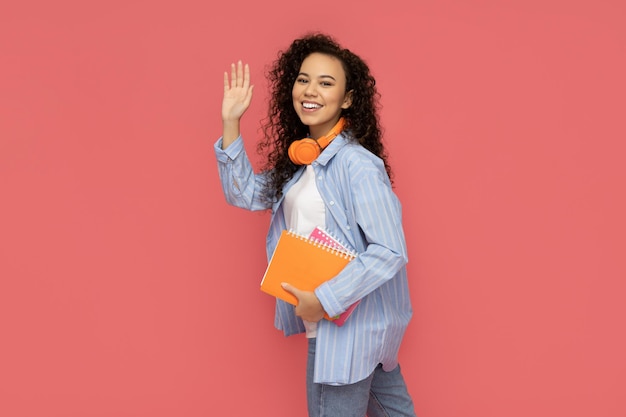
(378, 214)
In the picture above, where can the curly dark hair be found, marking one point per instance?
(283, 126)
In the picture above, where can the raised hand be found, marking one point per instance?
(237, 92)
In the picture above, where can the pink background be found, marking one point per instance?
(129, 288)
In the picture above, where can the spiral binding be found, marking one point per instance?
(341, 252)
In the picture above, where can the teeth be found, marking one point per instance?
(310, 105)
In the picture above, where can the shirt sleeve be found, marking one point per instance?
(241, 186)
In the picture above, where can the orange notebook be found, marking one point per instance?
(304, 263)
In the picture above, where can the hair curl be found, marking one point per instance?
(283, 126)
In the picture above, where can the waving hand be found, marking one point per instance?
(237, 92)
(237, 98)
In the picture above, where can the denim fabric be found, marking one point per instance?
(381, 394)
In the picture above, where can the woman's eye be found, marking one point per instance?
(301, 80)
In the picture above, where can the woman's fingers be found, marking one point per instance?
(233, 75)
(237, 91)
(246, 76)
(239, 76)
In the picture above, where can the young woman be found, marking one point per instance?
(341, 183)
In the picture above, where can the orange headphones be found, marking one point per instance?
(305, 151)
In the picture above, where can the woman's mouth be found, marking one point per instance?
(311, 106)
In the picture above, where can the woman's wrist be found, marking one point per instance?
(230, 132)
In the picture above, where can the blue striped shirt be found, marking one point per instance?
(363, 212)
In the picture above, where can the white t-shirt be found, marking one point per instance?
(304, 210)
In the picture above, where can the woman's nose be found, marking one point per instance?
(310, 90)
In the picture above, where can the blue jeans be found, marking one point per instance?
(382, 394)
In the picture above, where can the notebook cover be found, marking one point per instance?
(303, 263)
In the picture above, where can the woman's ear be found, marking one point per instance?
(347, 100)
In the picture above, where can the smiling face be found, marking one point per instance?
(319, 93)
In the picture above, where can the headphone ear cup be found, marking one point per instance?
(304, 151)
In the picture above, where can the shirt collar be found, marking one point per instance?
(331, 150)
